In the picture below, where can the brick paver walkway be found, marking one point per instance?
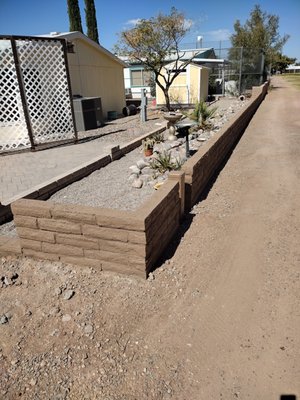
(23, 171)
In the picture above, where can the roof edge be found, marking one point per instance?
(79, 35)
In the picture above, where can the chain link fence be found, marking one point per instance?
(240, 69)
(235, 70)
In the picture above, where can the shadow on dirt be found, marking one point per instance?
(188, 218)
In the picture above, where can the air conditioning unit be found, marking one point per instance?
(88, 113)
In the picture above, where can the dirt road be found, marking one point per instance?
(218, 320)
(242, 323)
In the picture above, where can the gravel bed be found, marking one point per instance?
(110, 187)
(107, 187)
(8, 229)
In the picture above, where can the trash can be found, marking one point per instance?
(111, 115)
(129, 110)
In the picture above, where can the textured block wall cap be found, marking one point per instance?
(32, 208)
(74, 212)
(119, 219)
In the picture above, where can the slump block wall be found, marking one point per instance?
(46, 189)
(201, 167)
(122, 241)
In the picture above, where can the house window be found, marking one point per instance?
(140, 77)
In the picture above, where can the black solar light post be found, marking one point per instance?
(183, 130)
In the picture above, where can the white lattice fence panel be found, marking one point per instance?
(13, 129)
(46, 87)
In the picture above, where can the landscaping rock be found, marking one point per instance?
(137, 183)
(135, 169)
(141, 164)
(3, 320)
(66, 318)
(146, 171)
(68, 294)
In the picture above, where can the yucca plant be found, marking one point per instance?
(202, 113)
(158, 137)
(163, 163)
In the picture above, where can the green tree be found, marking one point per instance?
(280, 62)
(260, 32)
(91, 20)
(153, 42)
(74, 16)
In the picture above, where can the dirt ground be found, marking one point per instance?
(218, 319)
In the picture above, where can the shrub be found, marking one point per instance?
(163, 163)
(158, 137)
(202, 113)
(148, 143)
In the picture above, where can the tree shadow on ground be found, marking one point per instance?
(98, 135)
(275, 88)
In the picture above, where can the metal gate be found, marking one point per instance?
(35, 95)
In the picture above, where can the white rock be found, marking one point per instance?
(68, 294)
(3, 319)
(142, 164)
(146, 178)
(135, 169)
(147, 171)
(137, 183)
(88, 329)
(66, 318)
(132, 177)
(151, 277)
(176, 143)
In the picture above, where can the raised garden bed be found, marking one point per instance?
(126, 241)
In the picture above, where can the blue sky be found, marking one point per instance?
(211, 19)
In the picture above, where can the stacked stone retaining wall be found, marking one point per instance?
(201, 167)
(48, 188)
(123, 241)
(127, 242)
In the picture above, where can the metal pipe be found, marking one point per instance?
(240, 72)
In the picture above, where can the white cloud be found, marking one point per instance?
(218, 34)
(133, 22)
(188, 23)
